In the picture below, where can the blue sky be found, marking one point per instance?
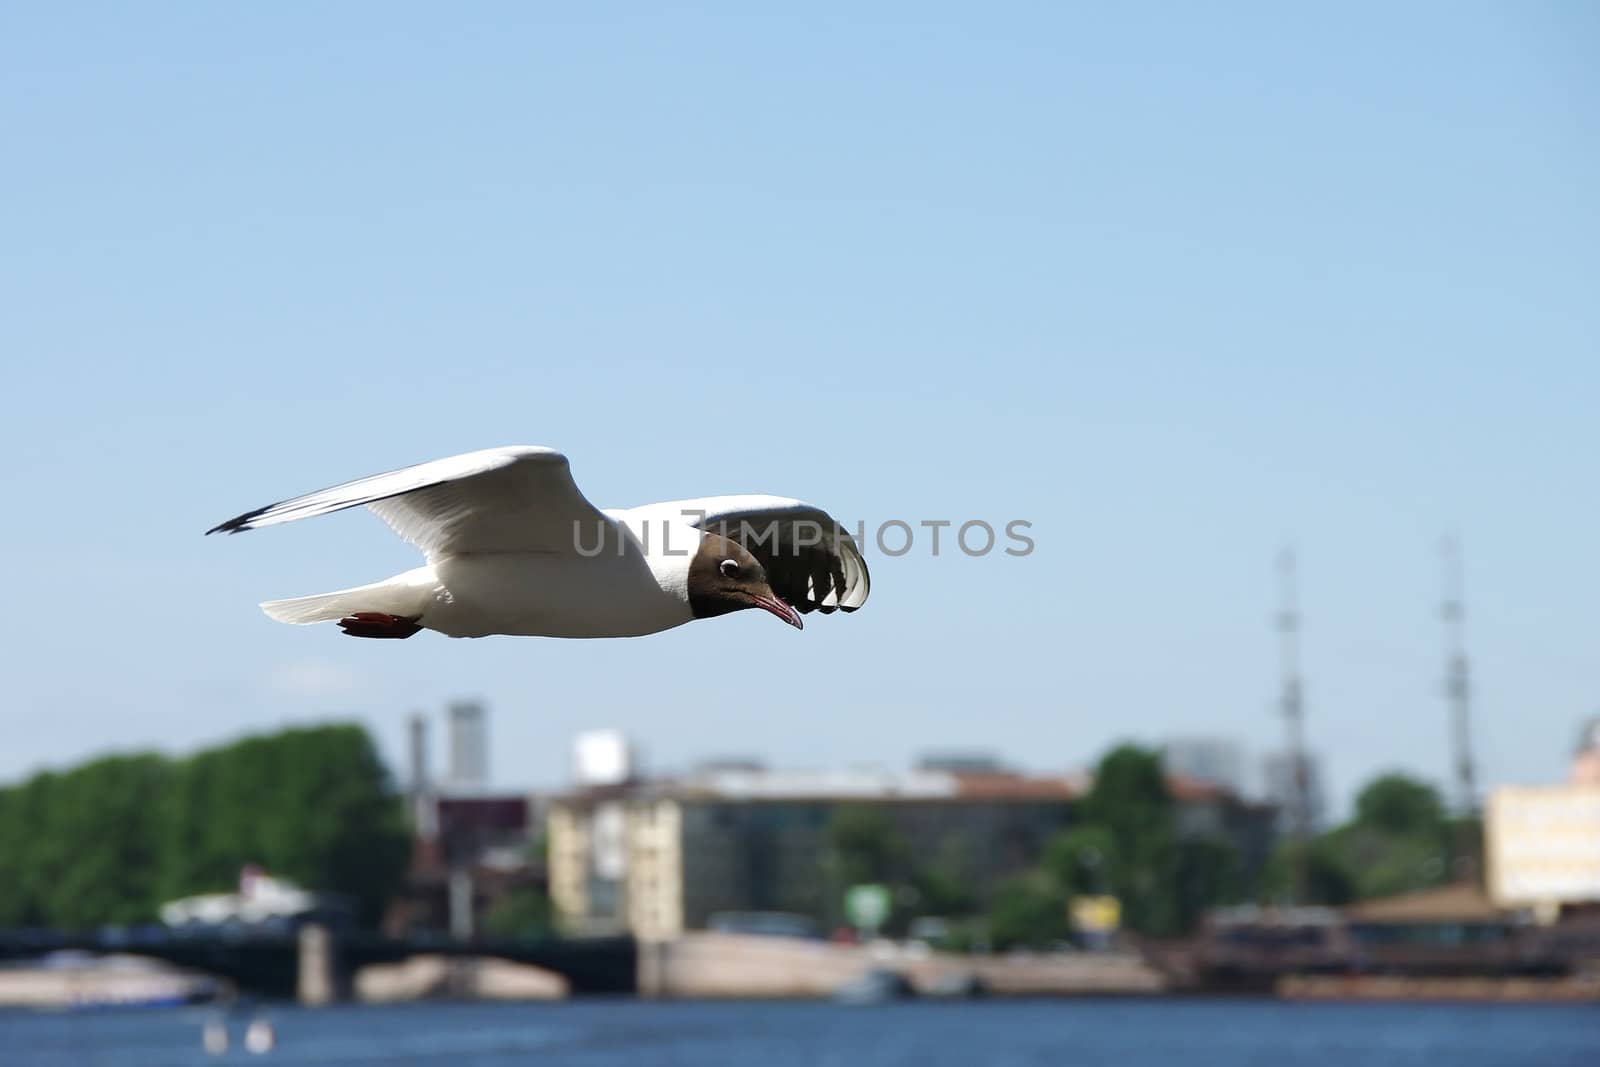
(1174, 285)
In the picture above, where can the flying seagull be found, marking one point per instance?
(513, 547)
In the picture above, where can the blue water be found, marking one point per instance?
(628, 1033)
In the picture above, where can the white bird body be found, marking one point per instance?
(523, 594)
(513, 548)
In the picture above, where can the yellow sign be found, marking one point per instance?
(1096, 915)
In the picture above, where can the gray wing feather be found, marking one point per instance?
(515, 499)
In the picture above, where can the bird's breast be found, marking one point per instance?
(539, 595)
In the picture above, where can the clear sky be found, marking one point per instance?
(1174, 283)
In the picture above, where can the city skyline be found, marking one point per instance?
(1257, 774)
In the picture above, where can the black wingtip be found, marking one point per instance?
(238, 524)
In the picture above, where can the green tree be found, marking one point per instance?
(313, 804)
(525, 911)
(1129, 796)
(943, 885)
(866, 847)
(1397, 804)
(1329, 879)
(109, 840)
(1030, 911)
(28, 861)
(108, 813)
(82, 847)
(1208, 876)
(1130, 802)
(1388, 864)
(1082, 860)
(1400, 840)
(939, 893)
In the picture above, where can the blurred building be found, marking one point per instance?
(658, 858)
(485, 846)
(424, 802)
(471, 845)
(1215, 760)
(1586, 756)
(602, 758)
(1543, 845)
(962, 762)
(1279, 789)
(1543, 842)
(731, 763)
(663, 857)
(1206, 810)
(469, 747)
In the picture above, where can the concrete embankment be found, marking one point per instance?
(1465, 988)
(461, 977)
(735, 965)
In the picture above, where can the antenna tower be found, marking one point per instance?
(1292, 705)
(1458, 692)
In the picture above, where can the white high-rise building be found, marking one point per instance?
(469, 746)
(424, 805)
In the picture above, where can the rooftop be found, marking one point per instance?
(1464, 902)
(743, 783)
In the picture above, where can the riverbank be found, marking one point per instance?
(718, 965)
(1571, 989)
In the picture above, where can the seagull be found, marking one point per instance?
(513, 547)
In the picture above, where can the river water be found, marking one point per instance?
(632, 1033)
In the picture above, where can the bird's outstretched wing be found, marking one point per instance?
(810, 559)
(515, 499)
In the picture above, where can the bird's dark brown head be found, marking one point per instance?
(724, 577)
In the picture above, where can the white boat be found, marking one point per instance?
(84, 980)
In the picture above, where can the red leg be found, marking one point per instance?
(378, 624)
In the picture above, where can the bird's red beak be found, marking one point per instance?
(780, 609)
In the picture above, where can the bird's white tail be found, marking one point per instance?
(405, 595)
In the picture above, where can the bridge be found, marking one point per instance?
(268, 964)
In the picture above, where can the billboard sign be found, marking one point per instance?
(1543, 844)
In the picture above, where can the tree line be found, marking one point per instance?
(1400, 838)
(1123, 841)
(109, 841)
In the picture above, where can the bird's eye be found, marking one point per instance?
(730, 568)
